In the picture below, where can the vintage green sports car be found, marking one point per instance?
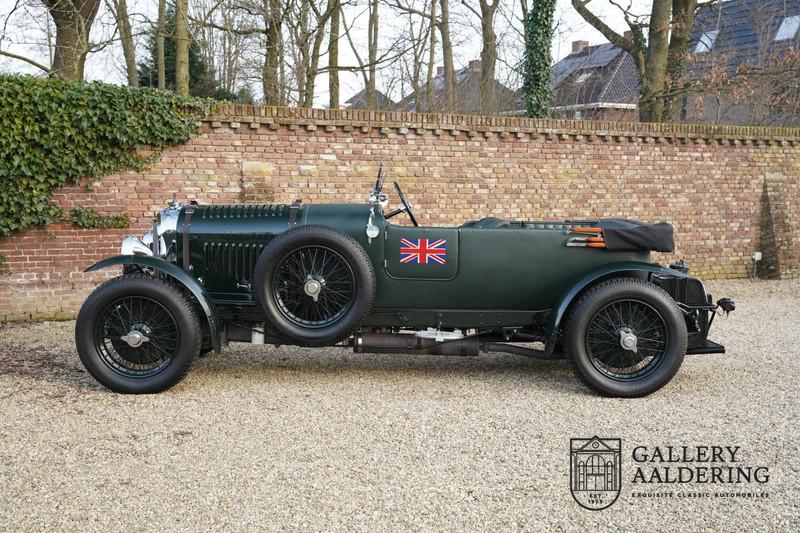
(341, 274)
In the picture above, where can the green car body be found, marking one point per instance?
(505, 281)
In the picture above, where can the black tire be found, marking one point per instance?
(596, 324)
(344, 299)
(150, 306)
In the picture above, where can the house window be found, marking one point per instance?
(706, 42)
(788, 28)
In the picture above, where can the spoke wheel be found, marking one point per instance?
(313, 286)
(625, 337)
(631, 321)
(136, 336)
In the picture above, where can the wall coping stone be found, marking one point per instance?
(232, 115)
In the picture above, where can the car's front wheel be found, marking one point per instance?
(137, 334)
(625, 337)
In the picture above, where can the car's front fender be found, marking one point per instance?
(611, 270)
(178, 275)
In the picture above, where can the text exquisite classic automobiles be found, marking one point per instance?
(341, 274)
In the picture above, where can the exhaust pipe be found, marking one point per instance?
(412, 344)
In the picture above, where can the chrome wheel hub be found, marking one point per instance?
(627, 340)
(135, 338)
(312, 288)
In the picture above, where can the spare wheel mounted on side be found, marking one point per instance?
(315, 285)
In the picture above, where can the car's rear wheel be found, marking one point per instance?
(625, 337)
(137, 334)
(315, 285)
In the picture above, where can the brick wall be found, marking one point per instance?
(729, 191)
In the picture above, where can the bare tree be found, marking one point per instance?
(668, 27)
(488, 51)
(447, 55)
(272, 70)
(226, 52)
(757, 85)
(431, 60)
(333, 56)
(262, 19)
(372, 47)
(368, 68)
(418, 41)
(442, 24)
(120, 10)
(160, 29)
(682, 22)
(73, 20)
(307, 23)
(182, 46)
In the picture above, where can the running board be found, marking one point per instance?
(706, 348)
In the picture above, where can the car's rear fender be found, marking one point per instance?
(180, 276)
(612, 270)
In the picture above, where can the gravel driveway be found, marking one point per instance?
(299, 439)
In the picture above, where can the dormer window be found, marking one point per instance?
(788, 28)
(706, 42)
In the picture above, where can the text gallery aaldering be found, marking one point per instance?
(696, 471)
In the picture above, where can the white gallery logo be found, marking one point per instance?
(595, 471)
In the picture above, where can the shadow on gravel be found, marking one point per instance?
(46, 352)
(291, 363)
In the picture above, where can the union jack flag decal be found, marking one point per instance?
(423, 251)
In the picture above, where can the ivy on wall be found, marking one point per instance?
(55, 132)
(536, 64)
(86, 217)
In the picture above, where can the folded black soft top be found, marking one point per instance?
(631, 235)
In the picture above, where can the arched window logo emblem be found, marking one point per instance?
(595, 473)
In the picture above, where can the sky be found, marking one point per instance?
(27, 25)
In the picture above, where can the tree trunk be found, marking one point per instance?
(120, 8)
(682, 20)
(652, 55)
(271, 77)
(182, 47)
(160, 61)
(73, 20)
(372, 45)
(312, 63)
(431, 61)
(418, 43)
(333, 57)
(307, 98)
(651, 103)
(488, 56)
(447, 53)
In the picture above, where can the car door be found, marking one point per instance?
(421, 253)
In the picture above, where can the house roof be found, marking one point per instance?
(596, 76)
(468, 94)
(359, 101)
(744, 31)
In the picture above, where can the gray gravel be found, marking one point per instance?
(265, 438)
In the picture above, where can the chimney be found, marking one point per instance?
(628, 35)
(475, 64)
(578, 46)
(439, 71)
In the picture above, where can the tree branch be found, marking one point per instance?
(612, 36)
(26, 60)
